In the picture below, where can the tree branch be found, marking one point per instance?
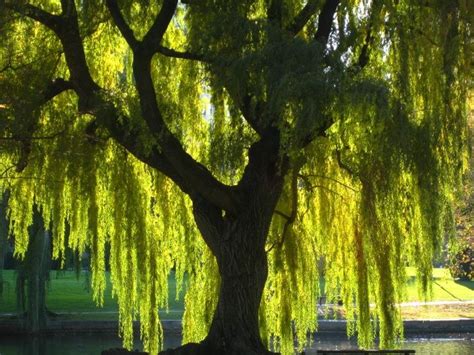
(312, 187)
(193, 173)
(170, 158)
(68, 8)
(294, 212)
(307, 176)
(363, 58)
(282, 214)
(274, 12)
(168, 52)
(119, 21)
(35, 13)
(325, 20)
(344, 166)
(302, 18)
(56, 87)
(154, 36)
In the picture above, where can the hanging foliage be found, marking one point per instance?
(119, 118)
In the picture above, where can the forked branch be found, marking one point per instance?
(172, 160)
(121, 24)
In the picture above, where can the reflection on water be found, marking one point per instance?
(94, 343)
(446, 344)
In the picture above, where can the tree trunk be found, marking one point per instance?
(243, 271)
(33, 274)
(237, 240)
(3, 238)
(37, 278)
(238, 243)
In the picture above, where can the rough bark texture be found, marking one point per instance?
(242, 264)
(238, 243)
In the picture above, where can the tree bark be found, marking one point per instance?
(33, 274)
(243, 270)
(238, 243)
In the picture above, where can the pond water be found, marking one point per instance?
(93, 344)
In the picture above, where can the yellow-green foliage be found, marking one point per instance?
(371, 195)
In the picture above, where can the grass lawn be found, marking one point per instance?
(445, 288)
(67, 294)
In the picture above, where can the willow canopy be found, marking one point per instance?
(248, 146)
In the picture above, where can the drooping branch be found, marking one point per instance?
(311, 187)
(302, 18)
(170, 158)
(307, 176)
(344, 166)
(325, 20)
(282, 214)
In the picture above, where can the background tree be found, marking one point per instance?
(3, 240)
(237, 142)
(460, 253)
(33, 275)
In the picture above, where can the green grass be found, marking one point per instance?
(445, 288)
(67, 294)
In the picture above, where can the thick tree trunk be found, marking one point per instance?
(238, 243)
(237, 240)
(243, 267)
(243, 270)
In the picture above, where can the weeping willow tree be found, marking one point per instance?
(238, 143)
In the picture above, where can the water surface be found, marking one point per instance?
(94, 343)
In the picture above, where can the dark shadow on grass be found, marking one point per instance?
(466, 283)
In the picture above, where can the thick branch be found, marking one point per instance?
(294, 212)
(172, 160)
(168, 52)
(56, 87)
(253, 114)
(154, 36)
(195, 174)
(69, 8)
(49, 20)
(325, 20)
(303, 17)
(274, 12)
(119, 21)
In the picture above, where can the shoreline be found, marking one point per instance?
(325, 327)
